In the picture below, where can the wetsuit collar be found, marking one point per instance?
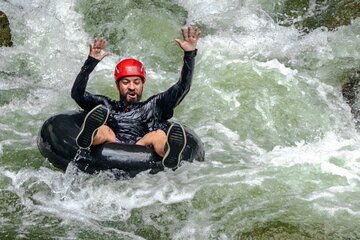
(125, 105)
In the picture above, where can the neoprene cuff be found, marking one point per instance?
(190, 53)
(91, 59)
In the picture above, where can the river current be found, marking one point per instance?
(282, 149)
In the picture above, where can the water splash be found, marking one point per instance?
(282, 149)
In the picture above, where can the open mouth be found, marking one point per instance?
(132, 95)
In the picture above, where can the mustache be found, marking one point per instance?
(124, 96)
(131, 93)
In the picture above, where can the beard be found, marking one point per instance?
(130, 97)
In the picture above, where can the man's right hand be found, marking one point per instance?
(96, 49)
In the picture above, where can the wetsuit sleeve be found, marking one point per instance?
(84, 99)
(168, 100)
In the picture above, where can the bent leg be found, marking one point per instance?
(104, 134)
(92, 121)
(156, 139)
(174, 141)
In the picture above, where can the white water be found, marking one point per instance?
(282, 154)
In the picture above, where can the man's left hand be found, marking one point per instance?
(191, 36)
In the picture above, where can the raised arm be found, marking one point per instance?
(84, 99)
(169, 99)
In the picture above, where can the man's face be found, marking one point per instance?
(130, 88)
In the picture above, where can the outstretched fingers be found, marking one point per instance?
(197, 33)
(183, 32)
(90, 48)
(95, 41)
(101, 43)
(178, 41)
(190, 37)
(96, 48)
(187, 34)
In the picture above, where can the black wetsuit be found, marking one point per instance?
(130, 123)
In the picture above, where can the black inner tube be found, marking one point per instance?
(57, 142)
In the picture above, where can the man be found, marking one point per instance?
(129, 120)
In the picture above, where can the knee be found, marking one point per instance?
(103, 130)
(152, 138)
(104, 133)
(160, 136)
(155, 134)
(160, 132)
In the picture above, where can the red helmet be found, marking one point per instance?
(129, 67)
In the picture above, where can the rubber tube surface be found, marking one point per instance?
(57, 142)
